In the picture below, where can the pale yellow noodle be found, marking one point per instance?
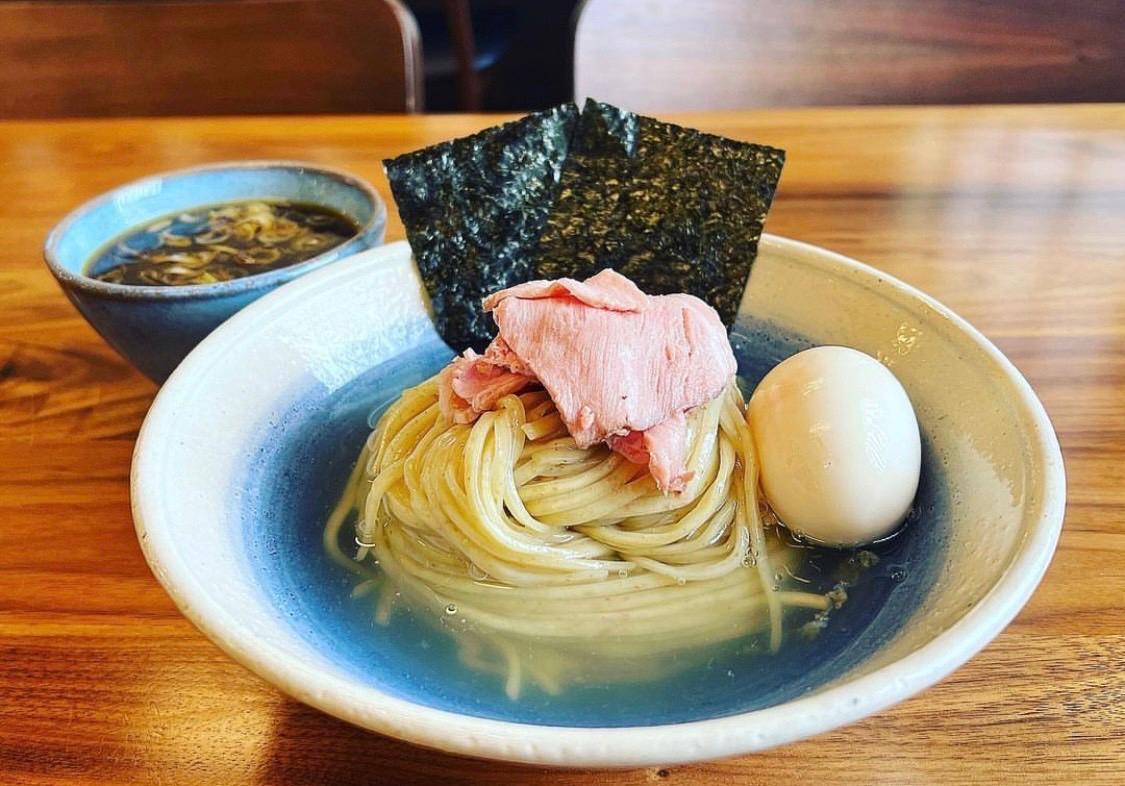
(537, 548)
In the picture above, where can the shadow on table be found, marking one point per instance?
(309, 747)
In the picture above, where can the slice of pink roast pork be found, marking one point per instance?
(621, 366)
(473, 383)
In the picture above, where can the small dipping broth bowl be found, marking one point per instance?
(154, 327)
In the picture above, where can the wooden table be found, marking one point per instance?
(1015, 217)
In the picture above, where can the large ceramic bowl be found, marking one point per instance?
(248, 444)
(154, 327)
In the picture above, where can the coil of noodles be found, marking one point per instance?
(538, 546)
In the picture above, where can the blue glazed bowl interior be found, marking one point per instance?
(303, 459)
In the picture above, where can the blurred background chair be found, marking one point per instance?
(131, 57)
(496, 55)
(660, 55)
(461, 44)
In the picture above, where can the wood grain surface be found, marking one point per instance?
(76, 58)
(1012, 216)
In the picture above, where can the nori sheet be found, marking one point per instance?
(474, 209)
(555, 194)
(672, 208)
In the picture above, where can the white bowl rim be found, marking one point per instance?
(615, 746)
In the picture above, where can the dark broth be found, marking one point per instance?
(221, 242)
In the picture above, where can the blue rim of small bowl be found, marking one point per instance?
(264, 280)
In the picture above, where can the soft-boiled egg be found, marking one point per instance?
(838, 446)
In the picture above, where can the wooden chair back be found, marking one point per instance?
(195, 57)
(653, 55)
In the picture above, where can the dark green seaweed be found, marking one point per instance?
(674, 209)
(555, 194)
(474, 209)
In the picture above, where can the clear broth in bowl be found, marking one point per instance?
(222, 242)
